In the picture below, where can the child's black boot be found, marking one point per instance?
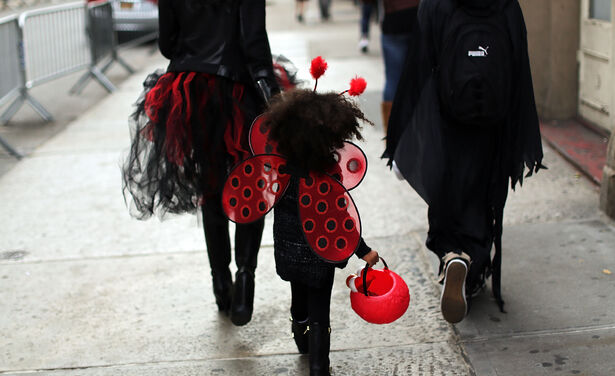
(247, 244)
(320, 343)
(301, 335)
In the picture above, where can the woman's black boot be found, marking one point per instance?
(247, 244)
(215, 226)
(223, 287)
(320, 343)
(301, 335)
(243, 297)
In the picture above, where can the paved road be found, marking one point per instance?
(87, 290)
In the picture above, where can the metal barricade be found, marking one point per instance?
(53, 44)
(48, 43)
(103, 45)
(10, 72)
(10, 68)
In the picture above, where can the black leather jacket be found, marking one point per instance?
(227, 40)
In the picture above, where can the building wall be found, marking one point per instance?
(553, 39)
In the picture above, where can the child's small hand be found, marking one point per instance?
(371, 258)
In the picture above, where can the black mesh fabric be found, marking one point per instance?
(183, 141)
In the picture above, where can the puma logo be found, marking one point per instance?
(482, 52)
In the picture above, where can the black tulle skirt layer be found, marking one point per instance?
(187, 131)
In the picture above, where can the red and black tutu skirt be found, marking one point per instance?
(188, 130)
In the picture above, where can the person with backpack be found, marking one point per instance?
(463, 125)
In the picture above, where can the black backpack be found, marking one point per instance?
(475, 66)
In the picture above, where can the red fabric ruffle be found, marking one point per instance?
(172, 91)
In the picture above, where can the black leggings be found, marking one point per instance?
(311, 303)
(216, 227)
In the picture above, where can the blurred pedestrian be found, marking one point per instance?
(367, 9)
(325, 9)
(464, 125)
(300, 10)
(398, 21)
(323, 5)
(191, 126)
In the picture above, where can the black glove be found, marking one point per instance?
(264, 89)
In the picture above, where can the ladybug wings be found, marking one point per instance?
(259, 137)
(351, 165)
(329, 217)
(253, 187)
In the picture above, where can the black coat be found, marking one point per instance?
(294, 259)
(225, 38)
(462, 172)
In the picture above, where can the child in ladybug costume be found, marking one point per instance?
(303, 167)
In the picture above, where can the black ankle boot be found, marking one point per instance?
(243, 297)
(301, 335)
(223, 288)
(320, 343)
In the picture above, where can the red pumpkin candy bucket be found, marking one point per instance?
(379, 296)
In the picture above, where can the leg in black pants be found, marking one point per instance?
(240, 297)
(315, 304)
(215, 226)
(325, 6)
(247, 243)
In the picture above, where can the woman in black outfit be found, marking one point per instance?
(191, 126)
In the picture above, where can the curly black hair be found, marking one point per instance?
(308, 126)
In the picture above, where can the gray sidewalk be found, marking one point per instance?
(87, 290)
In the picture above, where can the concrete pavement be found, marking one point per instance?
(87, 290)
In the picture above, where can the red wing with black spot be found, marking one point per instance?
(329, 217)
(259, 137)
(351, 165)
(253, 187)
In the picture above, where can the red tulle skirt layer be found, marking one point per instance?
(188, 130)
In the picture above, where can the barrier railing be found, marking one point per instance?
(11, 77)
(54, 42)
(103, 45)
(48, 43)
(9, 59)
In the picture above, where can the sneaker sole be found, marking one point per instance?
(453, 300)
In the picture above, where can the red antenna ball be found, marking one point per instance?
(357, 86)
(318, 67)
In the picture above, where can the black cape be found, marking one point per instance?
(463, 172)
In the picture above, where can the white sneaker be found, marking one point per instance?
(363, 44)
(453, 301)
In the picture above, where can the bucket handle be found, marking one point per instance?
(386, 267)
